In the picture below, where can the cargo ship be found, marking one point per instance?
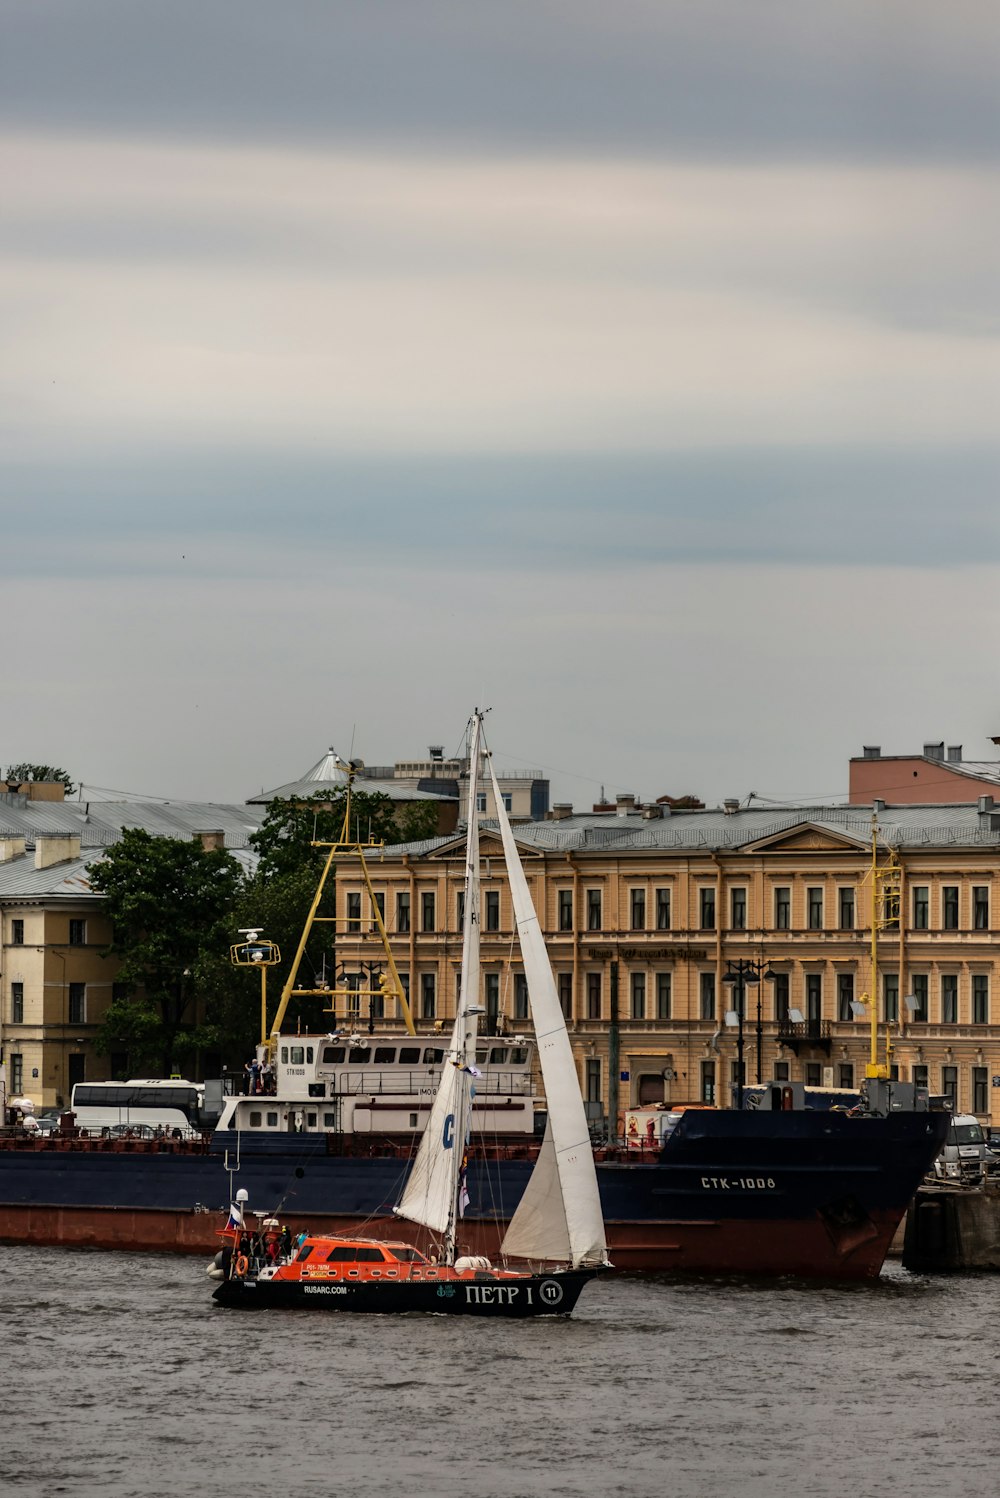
(779, 1188)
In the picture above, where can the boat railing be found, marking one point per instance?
(396, 1081)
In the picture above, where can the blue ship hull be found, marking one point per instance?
(798, 1192)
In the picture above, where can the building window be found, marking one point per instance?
(378, 903)
(493, 910)
(738, 1073)
(480, 800)
(845, 900)
(782, 1071)
(427, 912)
(980, 1089)
(814, 998)
(890, 998)
(17, 937)
(846, 1076)
(845, 996)
(706, 908)
(980, 999)
(520, 996)
(492, 987)
(593, 995)
(663, 996)
(638, 986)
(738, 909)
(76, 1071)
(949, 998)
(460, 909)
(638, 909)
(708, 995)
(663, 910)
(780, 986)
(918, 1076)
(566, 994)
(565, 910)
(949, 1085)
(814, 1074)
(403, 910)
(78, 1003)
(949, 907)
(77, 933)
(593, 1081)
(981, 907)
(16, 1075)
(593, 910)
(17, 1003)
(921, 905)
(919, 981)
(428, 995)
(508, 800)
(354, 911)
(814, 905)
(782, 908)
(708, 1081)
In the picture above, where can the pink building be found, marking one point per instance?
(937, 775)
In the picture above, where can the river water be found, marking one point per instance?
(121, 1378)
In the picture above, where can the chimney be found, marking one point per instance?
(560, 811)
(985, 804)
(625, 803)
(871, 751)
(731, 805)
(55, 847)
(878, 806)
(213, 839)
(652, 812)
(955, 754)
(10, 848)
(436, 751)
(934, 751)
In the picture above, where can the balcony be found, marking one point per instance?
(806, 1035)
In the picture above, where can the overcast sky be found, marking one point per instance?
(631, 369)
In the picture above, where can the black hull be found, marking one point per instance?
(533, 1295)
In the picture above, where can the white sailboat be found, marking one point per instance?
(558, 1222)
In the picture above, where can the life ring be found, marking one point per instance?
(241, 1266)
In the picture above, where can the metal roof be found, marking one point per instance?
(949, 825)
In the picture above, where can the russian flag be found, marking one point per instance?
(235, 1218)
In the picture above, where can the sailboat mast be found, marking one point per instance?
(466, 1024)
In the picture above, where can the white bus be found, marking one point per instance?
(142, 1103)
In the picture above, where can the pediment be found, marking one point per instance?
(807, 837)
(490, 847)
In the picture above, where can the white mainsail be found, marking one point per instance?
(559, 1215)
(433, 1189)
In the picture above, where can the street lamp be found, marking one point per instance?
(741, 975)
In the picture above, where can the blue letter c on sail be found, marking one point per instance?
(448, 1138)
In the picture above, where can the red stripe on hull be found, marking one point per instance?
(803, 1248)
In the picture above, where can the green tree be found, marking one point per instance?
(285, 837)
(171, 904)
(22, 772)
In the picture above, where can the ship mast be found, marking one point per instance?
(884, 885)
(389, 987)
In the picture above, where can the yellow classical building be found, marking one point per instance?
(647, 914)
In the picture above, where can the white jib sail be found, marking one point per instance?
(574, 1172)
(431, 1194)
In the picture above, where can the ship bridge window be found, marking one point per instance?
(518, 1057)
(482, 1058)
(297, 1055)
(304, 1252)
(329, 1120)
(310, 1120)
(408, 1256)
(334, 1055)
(255, 1119)
(498, 1055)
(370, 1256)
(409, 1055)
(345, 1254)
(433, 1057)
(272, 1120)
(384, 1054)
(360, 1055)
